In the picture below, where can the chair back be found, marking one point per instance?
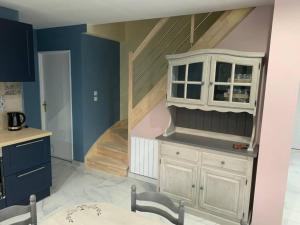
(18, 210)
(160, 199)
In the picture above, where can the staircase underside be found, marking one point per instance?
(109, 153)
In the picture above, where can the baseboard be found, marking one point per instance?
(142, 178)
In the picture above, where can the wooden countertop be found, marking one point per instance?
(205, 142)
(26, 134)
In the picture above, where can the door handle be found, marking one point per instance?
(33, 171)
(29, 143)
(45, 106)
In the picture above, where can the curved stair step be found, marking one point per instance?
(114, 146)
(112, 152)
(107, 164)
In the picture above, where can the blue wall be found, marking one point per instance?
(68, 38)
(94, 66)
(100, 69)
(9, 14)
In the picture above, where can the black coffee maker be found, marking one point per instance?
(15, 120)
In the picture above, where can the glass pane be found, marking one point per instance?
(243, 74)
(221, 92)
(241, 94)
(195, 71)
(223, 72)
(178, 90)
(179, 73)
(193, 91)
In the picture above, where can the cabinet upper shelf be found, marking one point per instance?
(214, 79)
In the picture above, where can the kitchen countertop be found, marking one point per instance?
(205, 142)
(25, 134)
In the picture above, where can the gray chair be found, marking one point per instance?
(18, 210)
(160, 199)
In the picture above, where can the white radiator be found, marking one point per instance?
(144, 157)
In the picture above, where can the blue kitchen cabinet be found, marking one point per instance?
(25, 155)
(21, 185)
(16, 51)
(26, 171)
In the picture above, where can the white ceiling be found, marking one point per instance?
(51, 13)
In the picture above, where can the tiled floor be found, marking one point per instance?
(292, 197)
(73, 184)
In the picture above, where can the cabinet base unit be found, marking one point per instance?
(26, 170)
(212, 183)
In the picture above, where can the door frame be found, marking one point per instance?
(41, 83)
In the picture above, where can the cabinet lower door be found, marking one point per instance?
(222, 192)
(178, 180)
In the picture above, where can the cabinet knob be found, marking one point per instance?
(223, 162)
(201, 188)
(193, 186)
(177, 153)
(211, 83)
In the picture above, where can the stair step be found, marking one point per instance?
(113, 146)
(123, 133)
(112, 153)
(115, 137)
(107, 164)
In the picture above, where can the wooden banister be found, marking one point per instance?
(149, 37)
(154, 96)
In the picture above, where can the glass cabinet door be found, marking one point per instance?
(186, 82)
(232, 82)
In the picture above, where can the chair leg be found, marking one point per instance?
(133, 198)
(181, 213)
(33, 210)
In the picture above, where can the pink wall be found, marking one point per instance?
(282, 85)
(250, 35)
(154, 123)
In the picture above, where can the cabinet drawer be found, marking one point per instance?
(179, 152)
(25, 155)
(21, 185)
(229, 163)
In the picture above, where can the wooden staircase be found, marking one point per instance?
(109, 153)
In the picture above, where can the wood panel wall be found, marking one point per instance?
(230, 123)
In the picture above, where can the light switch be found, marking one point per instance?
(95, 93)
(95, 99)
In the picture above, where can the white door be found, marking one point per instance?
(178, 180)
(222, 192)
(56, 101)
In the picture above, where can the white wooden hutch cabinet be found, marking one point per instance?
(207, 153)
